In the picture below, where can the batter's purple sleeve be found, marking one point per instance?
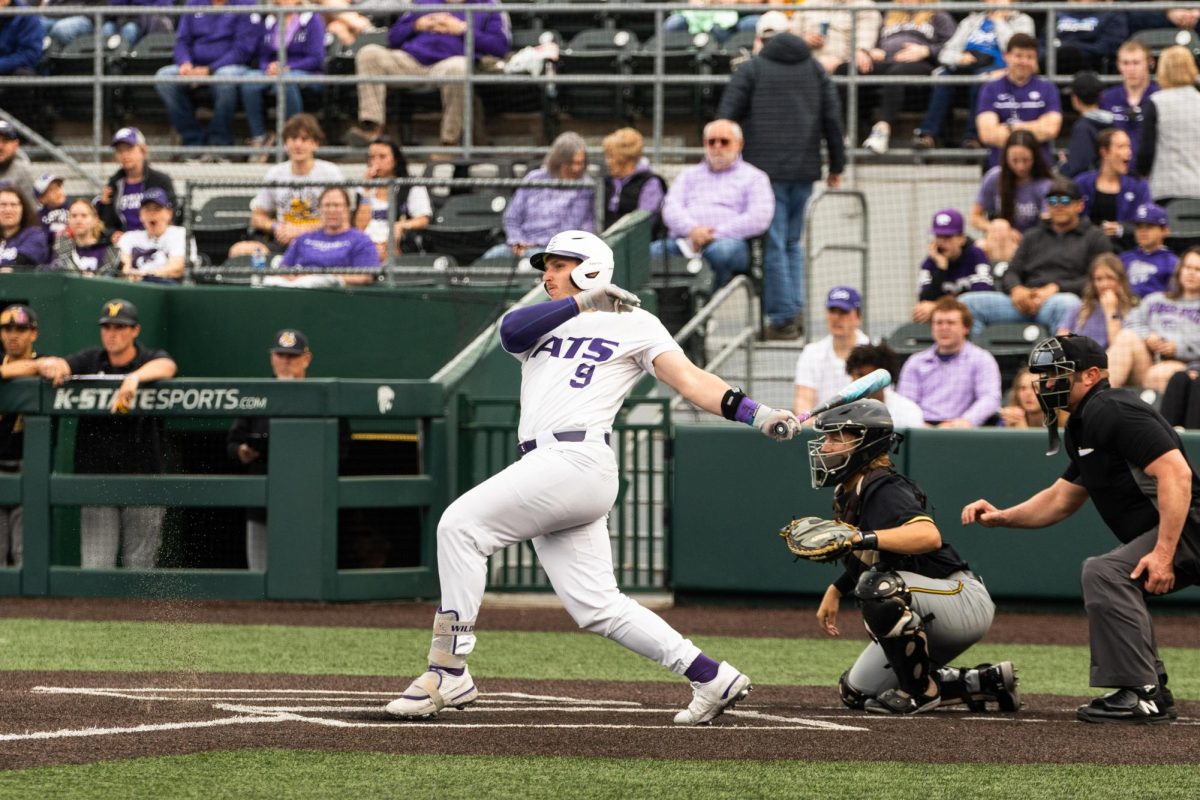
(522, 327)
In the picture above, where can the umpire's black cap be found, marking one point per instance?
(1084, 351)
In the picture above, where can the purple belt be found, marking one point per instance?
(525, 448)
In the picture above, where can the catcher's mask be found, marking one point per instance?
(869, 427)
(1054, 361)
(595, 266)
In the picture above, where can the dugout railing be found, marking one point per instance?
(646, 16)
(301, 490)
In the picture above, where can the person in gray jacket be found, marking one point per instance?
(1167, 152)
(787, 105)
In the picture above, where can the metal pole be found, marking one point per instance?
(97, 88)
(468, 120)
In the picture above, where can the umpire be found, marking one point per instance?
(1130, 461)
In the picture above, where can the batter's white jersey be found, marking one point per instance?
(576, 376)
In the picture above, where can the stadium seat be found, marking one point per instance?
(909, 338)
(1010, 343)
(78, 58)
(640, 23)
(683, 54)
(597, 52)
(1159, 39)
(467, 225)
(739, 45)
(520, 97)
(219, 223)
(571, 23)
(151, 53)
(419, 269)
(1183, 216)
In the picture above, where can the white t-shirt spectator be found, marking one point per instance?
(417, 204)
(150, 253)
(905, 413)
(819, 368)
(298, 205)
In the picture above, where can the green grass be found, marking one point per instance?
(300, 774)
(52, 645)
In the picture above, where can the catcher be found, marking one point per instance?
(920, 601)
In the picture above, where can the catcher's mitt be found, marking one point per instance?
(816, 539)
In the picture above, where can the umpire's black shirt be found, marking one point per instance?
(1111, 438)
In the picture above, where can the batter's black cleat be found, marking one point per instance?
(1130, 705)
(898, 701)
(999, 682)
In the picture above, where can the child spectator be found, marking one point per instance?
(52, 212)
(954, 265)
(1086, 91)
(155, 254)
(1150, 265)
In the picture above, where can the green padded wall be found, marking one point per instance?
(734, 489)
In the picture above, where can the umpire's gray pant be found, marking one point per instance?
(135, 530)
(1124, 652)
(12, 535)
(962, 612)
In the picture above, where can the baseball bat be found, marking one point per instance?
(855, 390)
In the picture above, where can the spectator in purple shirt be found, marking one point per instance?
(336, 243)
(303, 39)
(631, 184)
(713, 207)
(1126, 99)
(120, 202)
(429, 43)
(956, 384)
(209, 43)
(954, 265)
(1087, 39)
(1110, 194)
(23, 244)
(1150, 265)
(1019, 100)
(1010, 197)
(534, 215)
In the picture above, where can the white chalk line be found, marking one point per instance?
(331, 695)
(67, 733)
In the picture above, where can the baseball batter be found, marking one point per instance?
(920, 601)
(581, 353)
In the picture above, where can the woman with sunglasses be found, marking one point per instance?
(1010, 197)
(1110, 194)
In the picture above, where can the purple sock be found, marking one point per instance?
(448, 670)
(702, 670)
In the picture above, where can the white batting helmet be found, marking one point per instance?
(596, 258)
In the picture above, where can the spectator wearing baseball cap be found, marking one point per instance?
(1047, 274)
(121, 442)
(121, 200)
(14, 164)
(821, 368)
(953, 265)
(1086, 89)
(18, 332)
(1150, 264)
(23, 245)
(157, 252)
(52, 205)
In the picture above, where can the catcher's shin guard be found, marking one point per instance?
(851, 697)
(896, 628)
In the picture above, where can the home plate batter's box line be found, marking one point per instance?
(517, 702)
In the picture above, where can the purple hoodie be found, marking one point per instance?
(214, 38)
(492, 35)
(305, 43)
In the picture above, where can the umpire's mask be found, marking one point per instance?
(1054, 361)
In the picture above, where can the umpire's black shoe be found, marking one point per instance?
(1167, 702)
(1137, 705)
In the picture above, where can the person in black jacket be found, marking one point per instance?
(920, 601)
(631, 184)
(121, 201)
(786, 105)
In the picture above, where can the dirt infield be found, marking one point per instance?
(81, 717)
(64, 718)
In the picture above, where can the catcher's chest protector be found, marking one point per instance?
(848, 506)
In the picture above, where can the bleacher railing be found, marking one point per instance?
(657, 146)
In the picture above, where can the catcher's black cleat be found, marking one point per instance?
(1135, 705)
(898, 701)
(999, 682)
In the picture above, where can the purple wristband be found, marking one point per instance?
(745, 411)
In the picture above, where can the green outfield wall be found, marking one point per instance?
(734, 490)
